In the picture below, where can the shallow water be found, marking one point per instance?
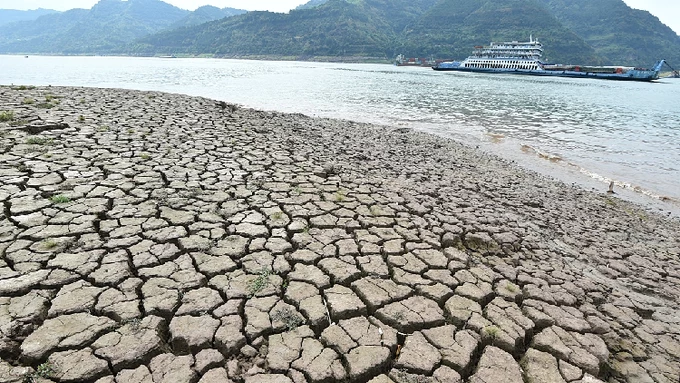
(601, 130)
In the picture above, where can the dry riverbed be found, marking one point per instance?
(152, 237)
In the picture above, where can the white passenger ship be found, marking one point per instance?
(509, 55)
(525, 58)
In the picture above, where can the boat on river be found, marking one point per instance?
(524, 58)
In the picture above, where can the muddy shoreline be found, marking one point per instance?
(148, 236)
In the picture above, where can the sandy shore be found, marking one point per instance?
(151, 237)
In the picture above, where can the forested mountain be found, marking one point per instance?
(573, 31)
(106, 28)
(41, 35)
(453, 27)
(11, 15)
(206, 13)
(337, 28)
(618, 32)
(375, 28)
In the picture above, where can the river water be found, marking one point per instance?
(579, 130)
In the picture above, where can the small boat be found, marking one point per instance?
(401, 60)
(525, 58)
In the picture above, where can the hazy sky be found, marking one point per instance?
(667, 10)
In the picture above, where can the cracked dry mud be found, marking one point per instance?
(150, 237)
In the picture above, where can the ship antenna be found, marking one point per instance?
(531, 38)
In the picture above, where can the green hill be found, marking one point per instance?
(106, 28)
(617, 32)
(453, 27)
(573, 31)
(366, 28)
(8, 16)
(376, 28)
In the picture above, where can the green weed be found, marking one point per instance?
(491, 332)
(259, 283)
(6, 116)
(340, 197)
(44, 371)
(28, 101)
(50, 244)
(289, 318)
(39, 141)
(58, 199)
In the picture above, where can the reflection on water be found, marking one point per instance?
(624, 131)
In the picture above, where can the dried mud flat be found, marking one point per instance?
(151, 237)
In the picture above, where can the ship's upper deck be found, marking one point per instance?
(532, 49)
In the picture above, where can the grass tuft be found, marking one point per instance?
(288, 317)
(39, 141)
(6, 116)
(50, 244)
(60, 199)
(491, 332)
(510, 287)
(23, 87)
(340, 197)
(44, 371)
(259, 283)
